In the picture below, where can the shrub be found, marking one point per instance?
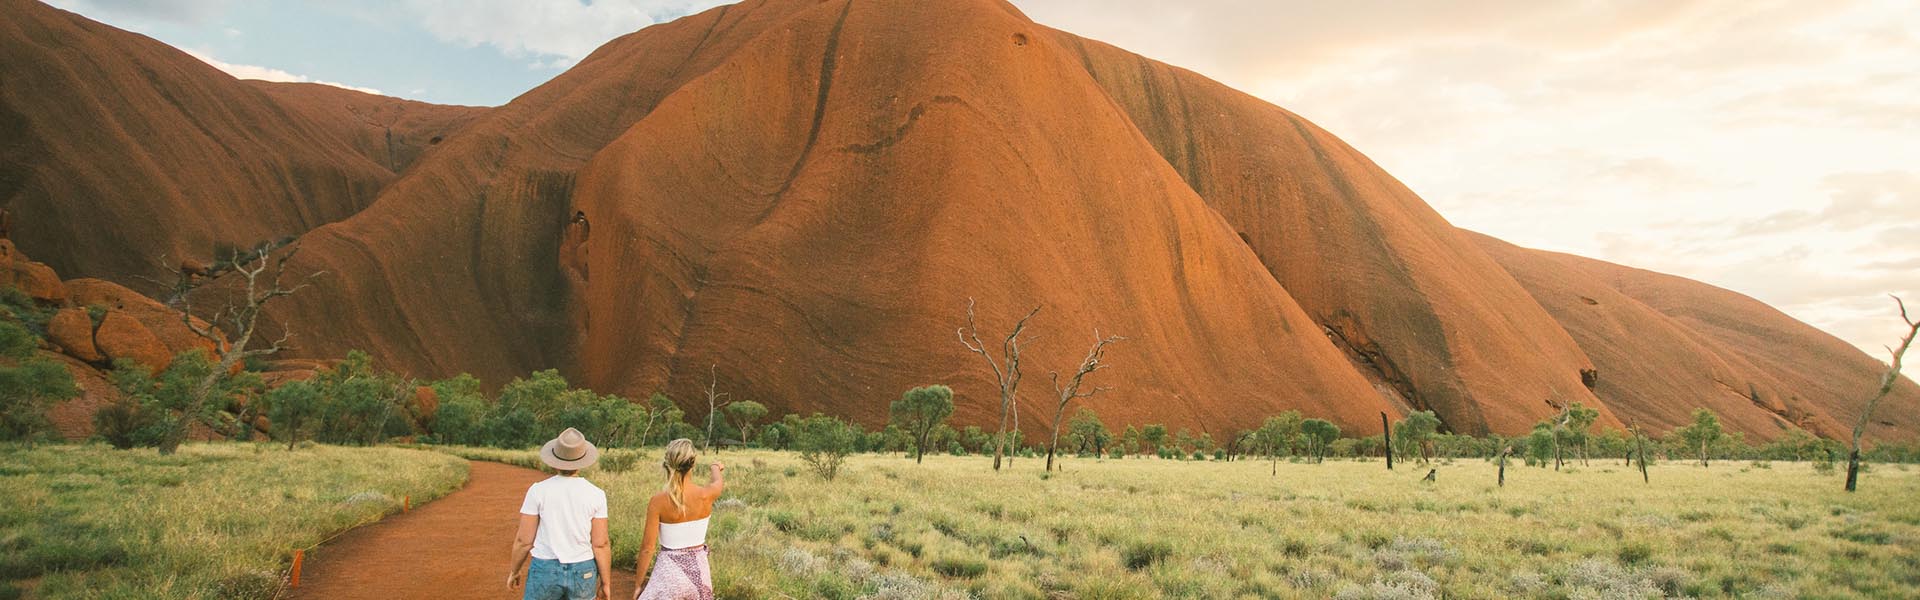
(824, 443)
(617, 461)
(962, 568)
(29, 385)
(172, 400)
(1590, 578)
(1633, 553)
(120, 424)
(1141, 555)
(459, 419)
(292, 409)
(1402, 585)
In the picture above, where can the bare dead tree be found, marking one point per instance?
(1386, 435)
(714, 403)
(1067, 394)
(1639, 448)
(1015, 431)
(1886, 387)
(1559, 429)
(1504, 453)
(1006, 369)
(250, 280)
(232, 327)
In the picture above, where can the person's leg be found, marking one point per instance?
(544, 581)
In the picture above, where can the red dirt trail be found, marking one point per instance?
(454, 547)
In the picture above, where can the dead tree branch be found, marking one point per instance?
(713, 400)
(1095, 360)
(1006, 369)
(1887, 382)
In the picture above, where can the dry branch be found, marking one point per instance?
(1094, 361)
(1887, 382)
(1006, 370)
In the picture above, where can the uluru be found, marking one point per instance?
(797, 200)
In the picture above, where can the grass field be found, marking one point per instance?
(213, 521)
(1146, 528)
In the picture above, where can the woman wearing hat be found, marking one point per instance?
(563, 527)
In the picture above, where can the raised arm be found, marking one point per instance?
(649, 544)
(717, 482)
(603, 557)
(522, 549)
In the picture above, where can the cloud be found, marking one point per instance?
(1858, 201)
(555, 33)
(1909, 265)
(270, 74)
(1763, 146)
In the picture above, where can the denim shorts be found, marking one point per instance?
(554, 580)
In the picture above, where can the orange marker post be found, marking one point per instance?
(298, 557)
(406, 503)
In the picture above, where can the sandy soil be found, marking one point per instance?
(454, 547)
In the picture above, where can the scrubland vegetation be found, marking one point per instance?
(1291, 508)
(213, 521)
(886, 527)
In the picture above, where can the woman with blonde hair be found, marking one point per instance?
(676, 530)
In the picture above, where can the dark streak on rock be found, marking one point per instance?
(900, 132)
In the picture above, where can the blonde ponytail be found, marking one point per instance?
(678, 462)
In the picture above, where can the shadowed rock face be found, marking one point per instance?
(1667, 345)
(801, 196)
(116, 149)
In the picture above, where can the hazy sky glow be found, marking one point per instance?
(1770, 147)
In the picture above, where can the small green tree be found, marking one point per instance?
(1579, 428)
(1184, 442)
(29, 386)
(824, 443)
(1319, 433)
(1153, 437)
(1087, 435)
(919, 410)
(1540, 445)
(462, 412)
(359, 402)
(1416, 431)
(1276, 435)
(1130, 441)
(744, 415)
(1702, 434)
(292, 409)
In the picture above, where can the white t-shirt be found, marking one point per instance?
(567, 507)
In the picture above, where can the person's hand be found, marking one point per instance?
(513, 580)
(606, 589)
(718, 468)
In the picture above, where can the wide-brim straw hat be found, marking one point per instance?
(569, 452)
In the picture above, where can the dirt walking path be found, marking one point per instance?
(454, 547)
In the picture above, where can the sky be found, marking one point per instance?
(1769, 147)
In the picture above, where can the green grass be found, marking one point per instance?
(1149, 528)
(213, 521)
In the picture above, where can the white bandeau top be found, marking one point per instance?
(674, 536)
